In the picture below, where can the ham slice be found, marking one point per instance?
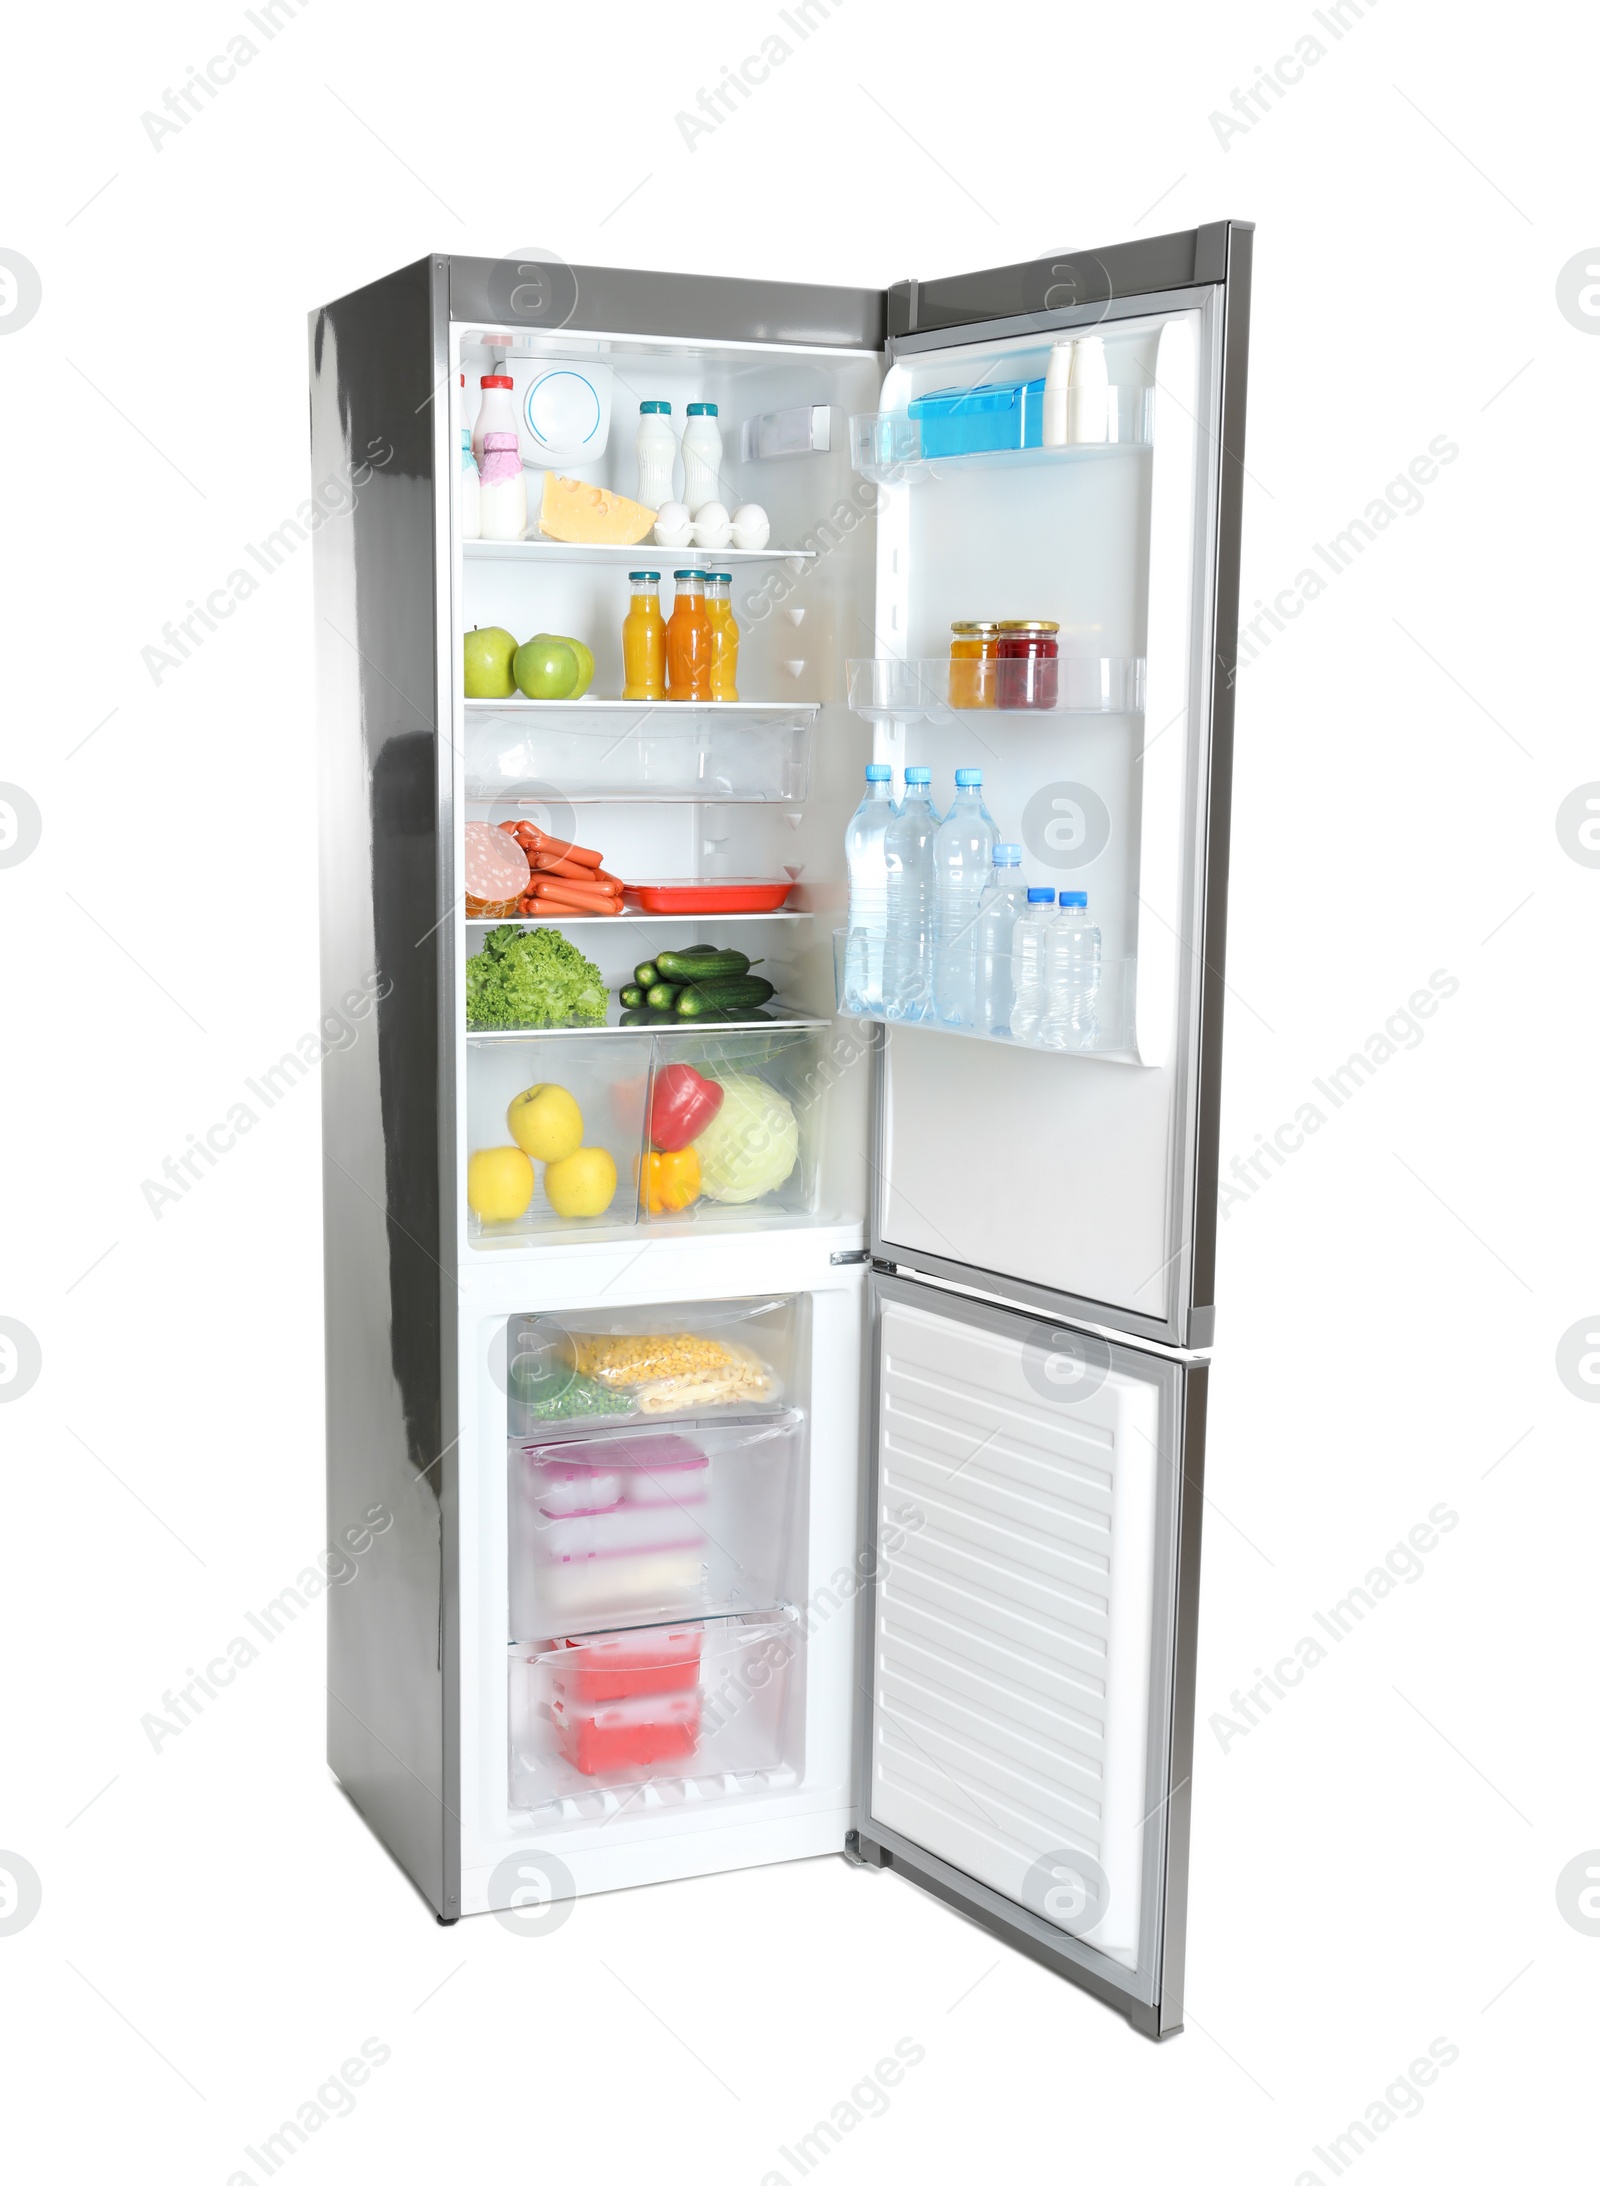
(496, 864)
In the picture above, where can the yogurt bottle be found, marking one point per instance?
(502, 492)
(496, 413)
(657, 448)
(702, 457)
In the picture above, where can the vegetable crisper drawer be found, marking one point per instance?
(654, 1706)
(645, 1523)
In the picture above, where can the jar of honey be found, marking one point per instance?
(972, 657)
(1027, 669)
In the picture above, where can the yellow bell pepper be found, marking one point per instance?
(671, 1181)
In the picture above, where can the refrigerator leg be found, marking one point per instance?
(447, 1920)
(861, 1852)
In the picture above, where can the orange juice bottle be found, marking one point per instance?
(690, 638)
(725, 636)
(644, 638)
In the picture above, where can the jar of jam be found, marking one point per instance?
(973, 647)
(1027, 667)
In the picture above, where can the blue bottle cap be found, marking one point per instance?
(655, 409)
(1008, 853)
(969, 777)
(702, 409)
(678, 575)
(1041, 895)
(875, 773)
(1078, 896)
(640, 576)
(918, 774)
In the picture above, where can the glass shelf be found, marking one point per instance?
(648, 918)
(601, 750)
(886, 446)
(685, 1027)
(562, 550)
(920, 690)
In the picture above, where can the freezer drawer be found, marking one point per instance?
(1034, 1504)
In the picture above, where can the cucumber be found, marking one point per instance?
(662, 996)
(703, 963)
(645, 975)
(631, 998)
(708, 995)
(637, 1017)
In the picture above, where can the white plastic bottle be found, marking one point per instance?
(908, 929)
(496, 413)
(1088, 391)
(657, 448)
(1071, 977)
(471, 520)
(702, 457)
(1027, 964)
(869, 895)
(502, 489)
(1058, 373)
(1004, 901)
(963, 855)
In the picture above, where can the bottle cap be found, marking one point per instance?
(719, 576)
(1074, 896)
(1041, 895)
(702, 409)
(682, 576)
(918, 774)
(644, 576)
(973, 629)
(875, 773)
(1008, 853)
(969, 777)
(655, 409)
(495, 379)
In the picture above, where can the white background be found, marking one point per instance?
(1374, 1865)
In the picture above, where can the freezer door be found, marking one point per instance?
(1083, 1181)
(1033, 1538)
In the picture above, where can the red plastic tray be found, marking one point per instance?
(629, 1665)
(686, 897)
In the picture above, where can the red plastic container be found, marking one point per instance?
(597, 1737)
(629, 1665)
(674, 898)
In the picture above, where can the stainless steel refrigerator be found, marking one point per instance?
(850, 1504)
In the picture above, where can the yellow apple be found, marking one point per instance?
(582, 1184)
(546, 1122)
(499, 1183)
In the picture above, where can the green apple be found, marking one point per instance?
(585, 658)
(546, 668)
(487, 663)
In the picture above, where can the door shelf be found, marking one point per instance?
(610, 751)
(886, 446)
(561, 550)
(921, 690)
(1115, 1040)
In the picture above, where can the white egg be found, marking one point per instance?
(711, 525)
(751, 530)
(673, 525)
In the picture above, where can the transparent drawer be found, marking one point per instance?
(734, 1128)
(702, 1704)
(739, 753)
(642, 1523)
(584, 1373)
(558, 1125)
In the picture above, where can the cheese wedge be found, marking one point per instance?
(589, 516)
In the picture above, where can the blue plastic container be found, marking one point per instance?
(979, 420)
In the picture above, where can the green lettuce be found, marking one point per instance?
(533, 978)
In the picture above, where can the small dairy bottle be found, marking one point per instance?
(502, 489)
(702, 457)
(657, 449)
(1027, 964)
(1088, 391)
(496, 413)
(471, 521)
(1057, 377)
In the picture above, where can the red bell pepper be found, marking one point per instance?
(681, 1105)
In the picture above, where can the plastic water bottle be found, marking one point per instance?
(963, 856)
(1071, 976)
(869, 896)
(908, 931)
(1004, 901)
(1027, 963)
